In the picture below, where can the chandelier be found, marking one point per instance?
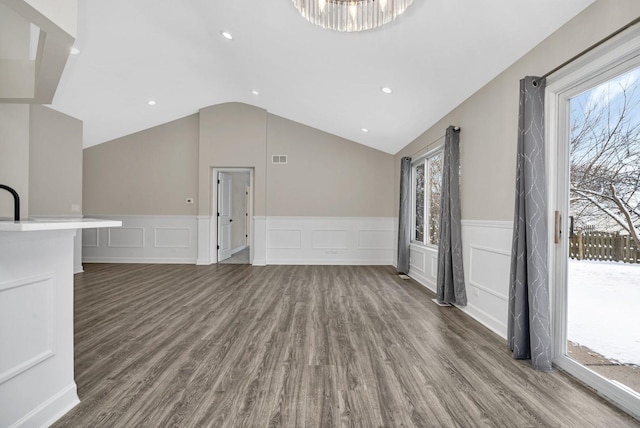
(351, 15)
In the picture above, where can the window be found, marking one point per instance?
(427, 185)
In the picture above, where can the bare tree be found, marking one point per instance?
(605, 155)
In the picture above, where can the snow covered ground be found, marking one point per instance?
(604, 308)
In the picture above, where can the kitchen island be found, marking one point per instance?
(37, 384)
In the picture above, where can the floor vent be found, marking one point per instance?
(440, 303)
(403, 276)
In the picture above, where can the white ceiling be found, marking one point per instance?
(433, 57)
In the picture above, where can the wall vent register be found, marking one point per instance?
(280, 159)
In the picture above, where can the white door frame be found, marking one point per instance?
(213, 227)
(612, 58)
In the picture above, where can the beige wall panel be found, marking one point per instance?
(232, 135)
(151, 172)
(489, 118)
(14, 157)
(55, 172)
(325, 175)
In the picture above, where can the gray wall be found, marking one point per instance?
(151, 172)
(55, 163)
(325, 175)
(14, 156)
(489, 118)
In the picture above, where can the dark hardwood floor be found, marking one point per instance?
(295, 346)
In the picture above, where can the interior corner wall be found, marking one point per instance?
(325, 175)
(14, 157)
(55, 163)
(488, 121)
(232, 135)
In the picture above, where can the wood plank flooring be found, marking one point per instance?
(297, 346)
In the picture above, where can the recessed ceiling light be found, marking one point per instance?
(386, 89)
(151, 102)
(74, 51)
(226, 35)
(365, 130)
(254, 92)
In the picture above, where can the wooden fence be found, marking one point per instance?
(593, 245)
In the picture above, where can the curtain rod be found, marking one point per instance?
(455, 128)
(592, 47)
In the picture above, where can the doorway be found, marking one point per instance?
(232, 210)
(595, 187)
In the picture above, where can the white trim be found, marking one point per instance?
(488, 223)
(259, 247)
(238, 249)
(47, 279)
(328, 218)
(51, 410)
(325, 262)
(213, 227)
(430, 153)
(140, 216)
(204, 250)
(151, 260)
(605, 62)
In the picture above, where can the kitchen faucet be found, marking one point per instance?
(16, 201)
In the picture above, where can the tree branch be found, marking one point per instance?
(627, 215)
(604, 209)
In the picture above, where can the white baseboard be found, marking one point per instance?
(51, 410)
(141, 260)
(324, 262)
(238, 249)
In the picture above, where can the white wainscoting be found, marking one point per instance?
(143, 239)
(423, 265)
(487, 261)
(329, 240)
(486, 258)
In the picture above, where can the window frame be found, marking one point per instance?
(423, 160)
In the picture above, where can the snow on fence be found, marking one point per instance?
(593, 245)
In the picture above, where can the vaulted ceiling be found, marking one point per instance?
(433, 57)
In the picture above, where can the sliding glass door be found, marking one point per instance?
(595, 186)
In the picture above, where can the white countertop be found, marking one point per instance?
(33, 225)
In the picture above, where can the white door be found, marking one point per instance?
(247, 226)
(224, 216)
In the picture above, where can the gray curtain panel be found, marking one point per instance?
(528, 321)
(404, 216)
(450, 279)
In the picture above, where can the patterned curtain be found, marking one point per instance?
(404, 217)
(528, 321)
(450, 279)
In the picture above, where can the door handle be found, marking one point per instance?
(558, 233)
